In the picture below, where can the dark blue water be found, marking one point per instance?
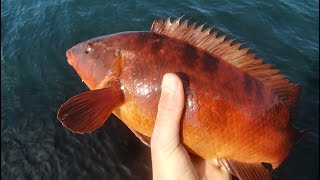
(36, 79)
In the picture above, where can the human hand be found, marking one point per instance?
(170, 159)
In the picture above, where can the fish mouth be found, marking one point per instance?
(69, 57)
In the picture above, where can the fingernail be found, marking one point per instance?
(169, 84)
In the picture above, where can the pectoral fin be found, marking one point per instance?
(246, 171)
(87, 111)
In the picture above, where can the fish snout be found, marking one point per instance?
(70, 58)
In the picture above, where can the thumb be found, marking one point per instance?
(170, 108)
(170, 159)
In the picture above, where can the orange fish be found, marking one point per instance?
(237, 109)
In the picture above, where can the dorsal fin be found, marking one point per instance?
(222, 49)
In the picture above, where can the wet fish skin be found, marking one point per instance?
(228, 113)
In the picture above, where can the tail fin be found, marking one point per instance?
(292, 100)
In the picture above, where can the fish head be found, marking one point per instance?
(96, 61)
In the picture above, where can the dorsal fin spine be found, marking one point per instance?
(223, 47)
(189, 30)
(207, 41)
(165, 25)
(203, 37)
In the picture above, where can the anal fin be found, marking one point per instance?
(142, 138)
(246, 171)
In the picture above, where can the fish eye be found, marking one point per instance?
(88, 48)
